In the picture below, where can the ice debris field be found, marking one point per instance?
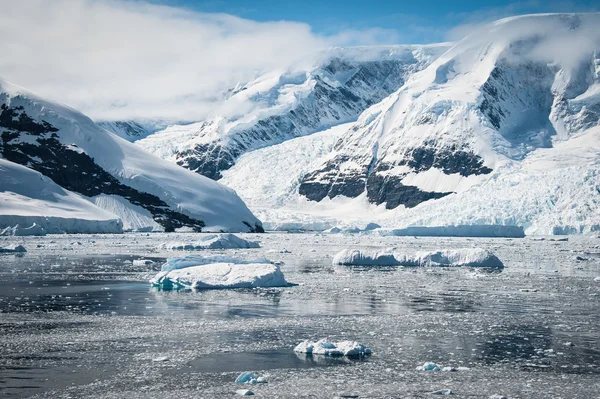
(525, 330)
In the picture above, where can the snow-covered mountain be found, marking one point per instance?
(501, 129)
(132, 130)
(145, 192)
(283, 105)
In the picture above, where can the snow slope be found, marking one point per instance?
(133, 130)
(78, 155)
(502, 129)
(28, 197)
(283, 105)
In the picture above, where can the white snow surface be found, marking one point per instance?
(212, 241)
(196, 196)
(328, 348)
(468, 257)
(280, 91)
(544, 155)
(198, 273)
(32, 204)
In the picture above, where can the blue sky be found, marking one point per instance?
(401, 21)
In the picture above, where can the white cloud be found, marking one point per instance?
(122, 59)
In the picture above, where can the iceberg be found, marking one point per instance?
(195, 272)
(327, 348)
(469, 257)
(250, 378)
(212, 241)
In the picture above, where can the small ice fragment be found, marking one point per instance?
(448, 368)
(142, 262)
(161, 359)
(569, 344)
(429, 367)
(249, 378)
(244, 392)
(496, 396)
(444, 392)
(597, 278)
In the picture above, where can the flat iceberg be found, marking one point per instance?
(469, 257)
(212, 241)
(195, 272)
(327, 348)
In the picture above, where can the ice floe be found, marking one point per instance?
(195, 272)
(470, 257)
(327, 348)
(212, 241)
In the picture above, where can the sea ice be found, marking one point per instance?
(470, 257)
(244, 392)
(325, 347)
(199, 273)
(212, 241)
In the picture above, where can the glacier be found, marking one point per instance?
(501, 131)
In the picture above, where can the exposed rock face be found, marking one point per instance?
(36, 145)
(486, 102)
(141, 190)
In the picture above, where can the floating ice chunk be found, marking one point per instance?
(444, 392)
(324, 347)
(17, 249)
(597, 278)
(449, 368)
(496, 396)
(161, 359)
(142, 262)
(244, 392)
(349, 257)
(429, 367)
(246, 378)
(250, 378)
(212, 241)
(471, 257)
(219, 275)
